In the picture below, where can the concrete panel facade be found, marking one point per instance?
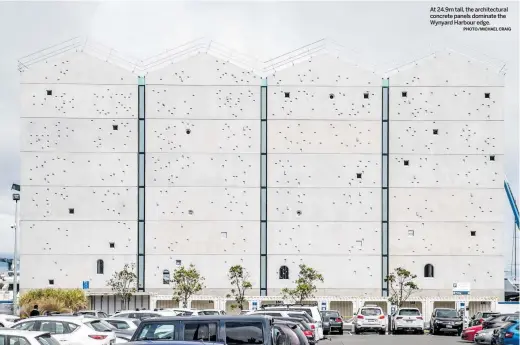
(202, 171)
(446, 200)
(79, 154)
(324, 176)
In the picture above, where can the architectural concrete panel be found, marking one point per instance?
(214, 270)
(79, 101)
(202, 69)
(202, 203)
(79, 203)
(324, 238)
(324, 204)
(78, 237)
(70, 270)
(202, 237)
(78, 135)
(484, 273)
(324, 170)
(76, 68)
(339, 271)
(433, 204)
(203, 102)
(446, 238)
(179, 169)
(203, 136)
(446, 103)
(325, 70)
(324, 136)
(446, 171)
(453, 137)
(78, 169)
(446, 68)
(324, 103)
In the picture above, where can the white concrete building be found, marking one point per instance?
(197, 157)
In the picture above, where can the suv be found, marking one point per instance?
(446, 320)
(231, 330)
(142, 314)
(407, 319)
(370, 318)
(479, 317)
(311, 310)
(334, 319)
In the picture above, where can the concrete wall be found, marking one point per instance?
(450, 186)
(73, 158)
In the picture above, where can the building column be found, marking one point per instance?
(384, 189)
(141, 185)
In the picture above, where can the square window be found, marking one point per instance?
(404, 94)
(411, 233)
(51, 281)
(492, 157)
(365, 95)
(112, 245)
(115, 127)
(287, 94)
(406, 162)
(49, 92)
(473, 233)
(487, 95)
(178, 262)
(435, 131)
(358, 175)
(71, 211)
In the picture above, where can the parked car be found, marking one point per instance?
(143, 314)
(469, 333)
(370, 318)
(479, 317)
(484, 336)
(304, 326)
(509, 334)
(123, 335)
(14, 336)
(287, 313)
(71, 330)
(8, 320)
(408, 319)
(333, 318)
(94, 313)
(123, 323)
(294, 328)
(499, 320)
(225, 329)
(446, 320)
(311, 310)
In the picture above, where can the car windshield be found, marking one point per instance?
(330, 314)
(370, 311)
(448, 313)
(209, 312)
(410, 312)
(101, 326)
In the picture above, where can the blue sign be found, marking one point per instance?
(461, 292)
(86, 285)
(323, 305)
(255, 305)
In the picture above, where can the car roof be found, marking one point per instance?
(79, 319)
(122, 319)
(209, 317)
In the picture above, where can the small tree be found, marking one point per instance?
(123, 283)
(402, 285)
(305, 284)
(187, 282)
(239, 279)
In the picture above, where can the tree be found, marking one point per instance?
(402, 285)
(187, 282)
(305, 284)
(55, 300)
(123, 283)
(239, 279)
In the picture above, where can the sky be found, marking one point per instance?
(384, 35)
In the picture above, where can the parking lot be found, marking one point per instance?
(407, 339)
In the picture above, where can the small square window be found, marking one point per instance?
(51, 281)
(492, 157)
(112, 245)
(435, 131)
(49, 92)
(71, 211)
(358, 175)
(365, 95)
(411, 233)
(115, 127)
(404, 94)
(487, 95)
(473, 233)
(178, 262)
(406, 162)
(287, 94)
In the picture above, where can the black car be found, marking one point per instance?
(499, 320)
(446, 320)
(334, 319)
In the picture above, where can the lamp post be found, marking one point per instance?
(16, 198)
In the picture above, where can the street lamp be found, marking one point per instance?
(16, 198)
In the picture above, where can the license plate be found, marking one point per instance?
(408, 320)
(371, 320)
(449, 326)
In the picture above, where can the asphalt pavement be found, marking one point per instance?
(401, 339)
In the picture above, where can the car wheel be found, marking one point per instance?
(421, 331)
(356, 331)
(382, 332)
(341, 331)
(1, 325)
(325, 332)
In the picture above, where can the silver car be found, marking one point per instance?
(484, 336)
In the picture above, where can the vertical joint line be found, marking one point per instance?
(385, 180)
(263, 188)
(141, 183)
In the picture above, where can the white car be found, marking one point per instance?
(18, 337)
(407, 319)
(312, 311)
(94, 313)
(122, 323)
(71, 330)
(289, 313)
(370, 318)
(142, 314)
(8, 320)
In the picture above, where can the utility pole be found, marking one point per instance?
(16, 198)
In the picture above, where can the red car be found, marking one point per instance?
(469, 333)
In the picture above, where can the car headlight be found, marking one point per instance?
(437, 321)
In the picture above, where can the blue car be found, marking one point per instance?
(509, 334)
